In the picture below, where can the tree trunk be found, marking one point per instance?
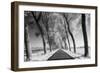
(72, 40)
(49, 42)
(85, 35)
(71, 37)
(68, 40)
(66, 47)
(61, 44)
(43, 39)
(26, 41)
(44, 45)
(26, 45)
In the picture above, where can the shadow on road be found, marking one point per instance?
(60, 55)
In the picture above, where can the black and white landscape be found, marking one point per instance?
(56, 36)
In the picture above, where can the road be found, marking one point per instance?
(60, 55)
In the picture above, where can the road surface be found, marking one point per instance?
(60, 55)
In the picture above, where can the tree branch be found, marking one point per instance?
(37, 18)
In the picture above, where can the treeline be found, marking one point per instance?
(54, 30)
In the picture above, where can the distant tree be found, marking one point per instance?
(45, 20)
(62, 35)
(84, 34)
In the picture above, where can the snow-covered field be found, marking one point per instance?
(79, 53)
(40, 56)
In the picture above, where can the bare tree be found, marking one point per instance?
(67, 36)
(45, 20)
(68, 24)
(26, 37)
(84, 34)
(62, 35)
(26, 42)
(37, 16)
(64, 40)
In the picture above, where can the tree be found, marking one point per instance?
(84, 34)
(67, 36)
(45, 20)
(62, 34)
(68, 24)
(64, 40)
(26, 42)
(28, 51)
(37, 16)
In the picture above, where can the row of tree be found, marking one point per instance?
(45, 22)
